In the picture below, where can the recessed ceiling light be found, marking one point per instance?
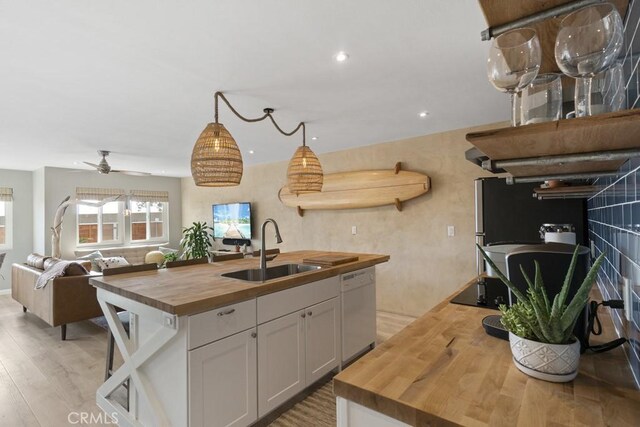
(250, 151)
(162, 171)
(314, 138)
(75, 163)
(341, 56)
(423, 114)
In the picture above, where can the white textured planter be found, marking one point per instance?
(549, 362)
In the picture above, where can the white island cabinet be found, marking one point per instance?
(298, 340)
(224, 367)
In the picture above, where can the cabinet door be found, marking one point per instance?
(322, 339)
(280, 361)
(223, 382)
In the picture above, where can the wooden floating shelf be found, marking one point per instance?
(499, 12)
(603, 133)
(360, 189)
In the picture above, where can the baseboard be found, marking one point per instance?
(5, 291)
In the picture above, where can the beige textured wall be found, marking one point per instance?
(425, 265)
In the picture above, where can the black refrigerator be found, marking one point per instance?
(507, 214)
(511, 214)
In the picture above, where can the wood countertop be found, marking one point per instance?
(197, 288)
(443, 369)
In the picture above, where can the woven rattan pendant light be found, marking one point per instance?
(216, 160)
(304, 174)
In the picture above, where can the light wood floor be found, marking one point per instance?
(43, 380)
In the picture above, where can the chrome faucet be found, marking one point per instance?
(263, 250)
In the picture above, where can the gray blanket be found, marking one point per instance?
(58, 269)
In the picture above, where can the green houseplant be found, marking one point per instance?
(170, 257)
(196, 240)
(541, 326)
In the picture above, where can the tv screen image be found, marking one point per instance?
(232, 221)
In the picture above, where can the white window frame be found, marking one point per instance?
(101, 242)
(8, 226)
(165, 224)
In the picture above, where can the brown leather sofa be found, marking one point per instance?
(63, 300)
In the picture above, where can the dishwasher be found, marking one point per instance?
(358, 294)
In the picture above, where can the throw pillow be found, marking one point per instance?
(93, 256)
(167, 250)
(154, 257)
(37, 261)
(110, 262)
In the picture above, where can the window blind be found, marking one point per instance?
(149, 196)
(87, 193)
(6, 194)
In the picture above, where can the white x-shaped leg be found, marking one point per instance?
(134, 357)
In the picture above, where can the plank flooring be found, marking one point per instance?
(44, 381)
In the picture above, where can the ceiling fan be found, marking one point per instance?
(104, 168)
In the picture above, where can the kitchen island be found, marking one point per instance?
(207, 349)
(443, 369)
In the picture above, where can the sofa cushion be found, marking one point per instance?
(91, 257)
(85, 263)
(133, 254)
(76, 269)
(110, 262)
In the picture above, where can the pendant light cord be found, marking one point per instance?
(267, 113)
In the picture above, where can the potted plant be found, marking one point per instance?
(541, 328)
(196, 240)
(170, 257)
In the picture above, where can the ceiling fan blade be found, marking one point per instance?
(93, 165)
(134, 173)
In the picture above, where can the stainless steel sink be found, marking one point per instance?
(254, 274)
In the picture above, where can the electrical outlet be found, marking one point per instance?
(451, 230)
(354, 230)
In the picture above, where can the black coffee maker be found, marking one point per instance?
(554, 260)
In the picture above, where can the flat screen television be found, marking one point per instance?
(232, 221)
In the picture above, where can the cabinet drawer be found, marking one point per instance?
(284, 302)
(219, 323)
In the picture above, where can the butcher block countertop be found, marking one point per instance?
(443, 369)
(197, 288)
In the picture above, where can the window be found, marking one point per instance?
(148, 220)
(6, 210)
(144, 213)
(102, 224)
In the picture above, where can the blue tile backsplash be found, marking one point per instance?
(614, 228)
(614, 212)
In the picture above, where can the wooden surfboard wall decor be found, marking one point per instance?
(360, 189)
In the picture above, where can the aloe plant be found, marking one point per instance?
(196, 240)
(535, 316)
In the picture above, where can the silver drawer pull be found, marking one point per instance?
(224, 313)
(310, 313)
(253, 335)
(303, 315)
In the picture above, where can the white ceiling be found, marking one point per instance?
(138, 77)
